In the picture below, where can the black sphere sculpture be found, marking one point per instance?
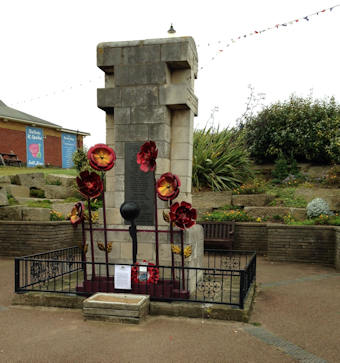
(130, 211)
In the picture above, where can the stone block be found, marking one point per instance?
(109, 119)
(181, 150)
(211, 199)
(178, 97)
(108, 98)
(146, 251)
(139, 96)
(5, 179)
(56, 179)
(36, 180)
(123, 308)
(108, 57)
(35, 214)
(141, 74)
(18, 191)
(270, 212)
(110, 79)
(159, 132)
(252, 200)
(3, 197)
(126, 250)
(63, 208)
(182, 168)
(58, 192)
(122, 115)
(180, 53)
(150, 115)
(163, 150)
(163, 165)
(140, 53)
(11, 213)
(130, 132)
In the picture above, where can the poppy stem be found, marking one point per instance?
(171, 244)
(83, 253)
(156, 219)
(91, 238)
(182, 253)
(105, 230)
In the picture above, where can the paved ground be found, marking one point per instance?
(296, 318)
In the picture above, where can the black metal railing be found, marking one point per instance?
(225, 278)
(45, 268)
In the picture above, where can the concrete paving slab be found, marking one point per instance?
(296, 311)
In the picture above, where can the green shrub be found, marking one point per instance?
(37, 193)
(80, 160)
(305, 129)
(220, 161)
(317, 207)
(56, 216)
(231, 215)
(253, 187)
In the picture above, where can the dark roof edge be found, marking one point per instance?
(50, 125)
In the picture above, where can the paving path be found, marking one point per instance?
(296, 318)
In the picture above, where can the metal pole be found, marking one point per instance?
(156, 219)
(105, 231)
(91, 238)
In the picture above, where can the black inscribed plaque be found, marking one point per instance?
(139, 186)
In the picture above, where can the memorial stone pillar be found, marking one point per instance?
(148, 95)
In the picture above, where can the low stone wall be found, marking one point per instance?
(251, 237)
(315, 244)
(301, 243)
(337, 249)
(25, 238)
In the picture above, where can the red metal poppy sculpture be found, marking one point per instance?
(167, 186)
(101, 157)
(90, 184)
(147, 156)
(183, 215)
(77, 213)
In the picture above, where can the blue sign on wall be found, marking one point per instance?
(68, 147)
(34, 146)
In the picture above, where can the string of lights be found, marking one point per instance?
(243, 36)
(220, 44)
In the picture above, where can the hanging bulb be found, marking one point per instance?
(171, 31)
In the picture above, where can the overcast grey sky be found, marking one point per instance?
(48, 53)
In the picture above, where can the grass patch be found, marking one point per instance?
(255, 323)
(11, 199)
(322, 220)
(231, 215)
(12, 170)
(285, 197)
(71, 200)
(39, 204)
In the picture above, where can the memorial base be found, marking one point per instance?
(164, 289)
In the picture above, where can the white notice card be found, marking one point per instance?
(122, 277)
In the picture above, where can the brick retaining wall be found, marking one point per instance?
(316, 244)
(251, 237)
(337, 249)
(301, 243)
(26, 238)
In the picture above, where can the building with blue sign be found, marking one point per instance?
(36, 141)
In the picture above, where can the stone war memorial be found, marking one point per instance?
(149, 95)
(146, 245)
